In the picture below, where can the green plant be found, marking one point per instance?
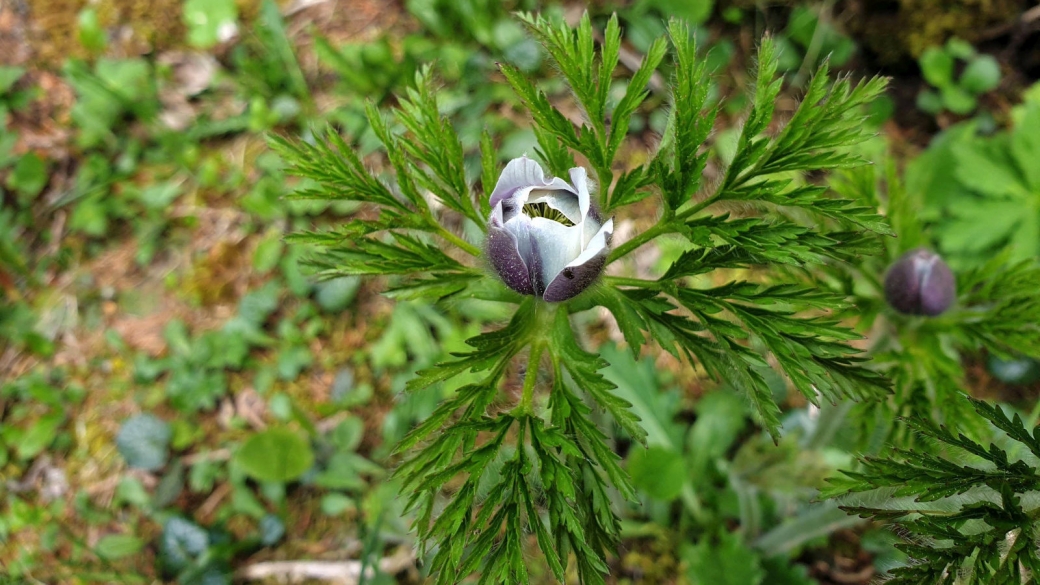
(696, 481)
(810, 38)
(966, 512)
(485, 21)
(546, 443)
(994, 310)
(35, 419)
(12, 99)
(269, 72)
(956, 93)
(191, 553)
(197, 367)
(983, 193)
(210, 22)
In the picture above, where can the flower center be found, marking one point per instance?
(543, 210)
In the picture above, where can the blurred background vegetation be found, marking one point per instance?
(181, 401)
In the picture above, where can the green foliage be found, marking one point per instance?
(114, 176)
(815, 137)
(35, 421)
(210, 22)
(728, 563)
(276, 455)
(356, 248)
(504, 455)
(195, 372)
(11, 99)
(966, 511)
(980, 74)
(996, 311)
(269, 71)
(715, 474)
(189, 553)
(810, 39)
(144, 442)
(983, 192)
(510, 461)
(488, 22)
(107, 93)
(695, 12)
(91, 33)
(28, 178)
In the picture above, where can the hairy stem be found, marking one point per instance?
(665, 225)
(462, 244)
(630, 246)
(533, 361)
(637, 282)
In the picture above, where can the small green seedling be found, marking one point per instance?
(959, 95)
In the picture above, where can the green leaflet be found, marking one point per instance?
(968, 513)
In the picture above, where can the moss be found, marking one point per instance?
(154, 26)
(927, 23)
(651, 561)
(897, 31)
(53, 34)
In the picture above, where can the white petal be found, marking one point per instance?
(580, 180)
(596, 245)
(520, 227)
(565, 202)
(554, 245)
(592, 227)
(523, 174)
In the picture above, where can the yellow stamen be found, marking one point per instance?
(543, 210)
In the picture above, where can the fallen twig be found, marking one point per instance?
(338, 572)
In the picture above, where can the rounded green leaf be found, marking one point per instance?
(144, 441)
(957, 100)
(936, 66)
(981, 75)
(8, 77)
(275, 455)
(335, 503)
(658, 471)
(335, 295)
(960, 48)
(91, 34)
(181, 543)
(210, 21)
(117, 546)
(29, 177)
(271, 529)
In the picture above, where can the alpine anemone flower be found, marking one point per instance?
(545, 238)
(920, 283)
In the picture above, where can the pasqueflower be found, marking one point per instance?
(545, 237)
(920, 283)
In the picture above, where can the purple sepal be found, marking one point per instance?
(504, 254)
(920, 283)
(573, 280)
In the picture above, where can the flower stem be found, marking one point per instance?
(637, 282)
(462, 244)
(533, 362)
(665, 225)
(631, 245)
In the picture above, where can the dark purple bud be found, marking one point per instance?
(920, 283)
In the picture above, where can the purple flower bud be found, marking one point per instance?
(544, 236)
(920, 283)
